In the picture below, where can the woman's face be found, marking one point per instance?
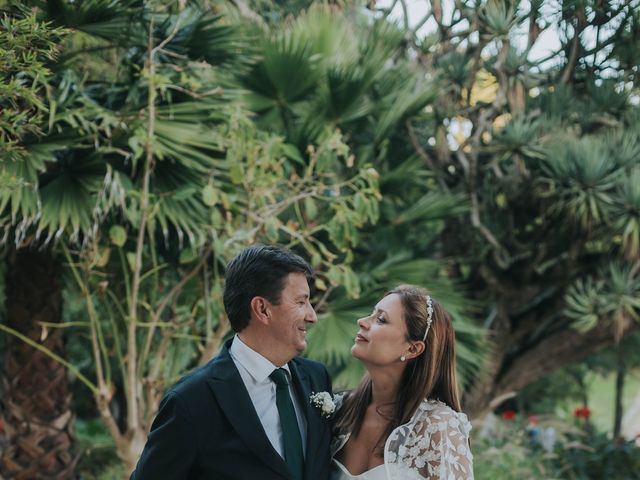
(382, 336)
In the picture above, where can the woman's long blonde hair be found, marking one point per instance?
(430, 375)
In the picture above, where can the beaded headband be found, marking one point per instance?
(429, 316)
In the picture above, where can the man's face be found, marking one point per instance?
(291, 317)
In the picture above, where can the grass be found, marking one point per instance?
(602, 397)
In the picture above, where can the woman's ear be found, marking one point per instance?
(415, 349)
(259, 310)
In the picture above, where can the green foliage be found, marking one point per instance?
(506, 186)
(618, 298)
(626, 213)
(324, 71)
(151, 178)
(508, 461)
(583, 176)
(359, 80)
(498, 17)
(511, 453)
(557, 393)
(518, 137)
(27, 47)
(596, 457)
(508, 450)
(98, 459)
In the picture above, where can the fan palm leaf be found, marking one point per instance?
(198, 35)
(178, 190)
(328, 34)
(21, 199)
(286, 72)
(379, 51)
(119, 22)
(95, 126)
(433, 205)
(68, 194)
(403, 95)
(342, 94)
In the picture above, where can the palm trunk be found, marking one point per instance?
(35, 390)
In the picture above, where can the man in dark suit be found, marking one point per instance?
(246, 414)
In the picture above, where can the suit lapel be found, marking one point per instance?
(232, 396)
(302, 385)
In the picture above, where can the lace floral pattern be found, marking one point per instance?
(434, 444)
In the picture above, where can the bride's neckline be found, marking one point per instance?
(344, 469)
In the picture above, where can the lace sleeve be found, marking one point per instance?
(338, 399)
(434, 446)
(446, 453)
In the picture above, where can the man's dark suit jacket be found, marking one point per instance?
(207, 428)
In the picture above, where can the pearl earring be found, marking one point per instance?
(403, 358)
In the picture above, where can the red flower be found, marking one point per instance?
(508, 415)
(582, 412)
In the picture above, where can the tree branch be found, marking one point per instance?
(405, 14)
(155, 319)
(573, 57)
(558, 350)
(424, 155)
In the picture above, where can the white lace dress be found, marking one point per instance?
(340, 472)
(434, 444)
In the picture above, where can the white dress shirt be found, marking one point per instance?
(255, 370)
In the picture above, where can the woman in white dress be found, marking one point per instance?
(404, 420)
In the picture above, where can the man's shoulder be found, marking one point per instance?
(195, 381)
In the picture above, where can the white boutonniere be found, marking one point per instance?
(323, 401)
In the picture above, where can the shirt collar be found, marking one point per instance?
(255, 364)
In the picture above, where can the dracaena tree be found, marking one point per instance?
(546, 153)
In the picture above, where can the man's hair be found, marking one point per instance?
(260, 270)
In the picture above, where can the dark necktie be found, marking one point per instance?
(290, 432)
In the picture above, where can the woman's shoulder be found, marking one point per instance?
(339, 398)
(434, 411)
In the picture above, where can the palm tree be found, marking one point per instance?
(68, 185)
(545, 160)
(36, 398)
(35, 401)
(150, 176)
